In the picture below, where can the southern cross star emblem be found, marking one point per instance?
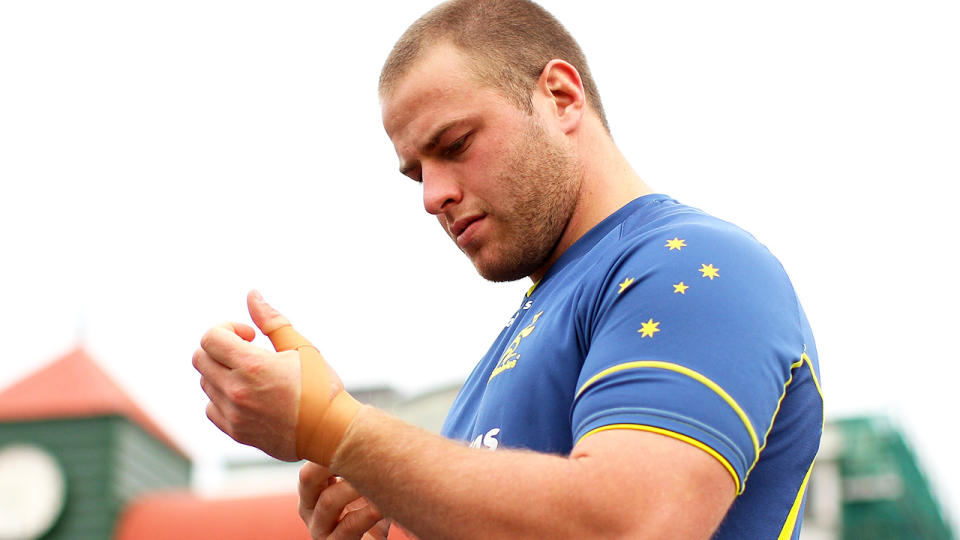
(676, 244)
(649, 328)
(709, 271)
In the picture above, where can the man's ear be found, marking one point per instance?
(560, 83)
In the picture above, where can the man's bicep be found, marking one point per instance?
(667, 488)
(698, 347)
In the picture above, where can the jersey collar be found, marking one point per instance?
(586, 242)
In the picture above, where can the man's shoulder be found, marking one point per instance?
(656, 238)
(668, 232)
(670, 248)
(670, 218)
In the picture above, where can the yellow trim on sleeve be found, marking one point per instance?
(695, 375)
(813, 373)
(791, 522)
(787, 531)
(773, 419)
(679, 436)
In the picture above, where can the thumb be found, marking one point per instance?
(263, 314)
(273, 324)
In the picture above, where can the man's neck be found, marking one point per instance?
(608, 184)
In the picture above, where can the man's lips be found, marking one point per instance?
(462, 230)
(461, 224)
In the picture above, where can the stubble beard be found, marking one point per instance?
(543, 181)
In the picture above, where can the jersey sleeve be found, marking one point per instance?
(693, 334)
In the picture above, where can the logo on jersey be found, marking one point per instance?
(517, 314)
(510, 356)
(487, 440)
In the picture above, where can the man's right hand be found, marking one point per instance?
(325, 408)
(333, 509)
(290, 404)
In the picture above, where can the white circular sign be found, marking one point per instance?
(32, 492)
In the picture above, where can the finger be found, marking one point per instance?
(381, 529)
(263, 314)
(208, 367)
(212, 375)
(245, 331)
(274, 325)
(215, 393)
(357, 522)
(330, 505)
(308, 501)
(216, 416)
(354, 505)
(313, 479)
(225, 345)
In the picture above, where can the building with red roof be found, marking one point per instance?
(80, 460)
(74, 386)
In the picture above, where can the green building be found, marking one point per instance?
(868, 485)
(75, 450)
(79, 460)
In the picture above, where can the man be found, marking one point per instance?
(659, 380)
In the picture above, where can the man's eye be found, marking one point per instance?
(456, 147)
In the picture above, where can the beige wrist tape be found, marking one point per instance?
(323, 419)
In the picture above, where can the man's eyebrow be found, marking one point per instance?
(406, 166)
(435, 140)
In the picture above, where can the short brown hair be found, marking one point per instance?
(508, 43)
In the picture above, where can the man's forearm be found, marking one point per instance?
(441, 489)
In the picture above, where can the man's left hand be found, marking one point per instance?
(332, 508)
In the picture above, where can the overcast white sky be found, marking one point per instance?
(159, 159)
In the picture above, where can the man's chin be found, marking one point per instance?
(501, 271)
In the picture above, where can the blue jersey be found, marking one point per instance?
(662, 319)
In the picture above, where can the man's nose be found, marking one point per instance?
(440, 188)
